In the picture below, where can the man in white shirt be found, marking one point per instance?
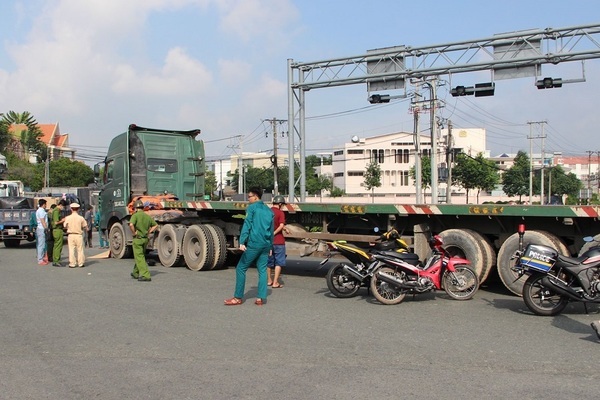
(40, 232)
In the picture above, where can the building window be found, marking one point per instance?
(354, 151)
(338, 174)
(356, 173)
(403, 178)
(338, 153)
(406, 157)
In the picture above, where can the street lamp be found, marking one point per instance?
(549, 83)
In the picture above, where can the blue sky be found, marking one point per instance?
(95, 66)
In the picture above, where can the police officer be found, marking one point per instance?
(57, 232)
(141, 225)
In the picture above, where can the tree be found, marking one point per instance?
(210, 185)
(515, 180)
(560, 183)
(30, 137)
(4, 135)
(425, 173)
(475, 173)
(32, 175)
(372, 178)
(66, 172)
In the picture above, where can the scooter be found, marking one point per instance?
(394, 278)
(346, 278)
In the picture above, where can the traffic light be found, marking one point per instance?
(379, 98)
(462, 91)
(548, 83)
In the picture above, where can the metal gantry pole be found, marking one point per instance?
(434, 172)
(291, 133)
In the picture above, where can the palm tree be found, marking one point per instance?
(30, 138)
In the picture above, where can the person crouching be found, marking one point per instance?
(76, 226)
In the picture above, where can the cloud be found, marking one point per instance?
(250, 18)
(180, 74)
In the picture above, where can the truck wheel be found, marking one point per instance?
(12, 243)
(489, 254)
(195, 249)
(210, 249)
(588, 245)
(118, 242)
(168, 246)
(220, 245)
(461, 243)
(508, 250)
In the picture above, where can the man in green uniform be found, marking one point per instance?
(57, 232)
(256, 241)
(141, 225)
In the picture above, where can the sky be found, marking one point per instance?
(96, 66)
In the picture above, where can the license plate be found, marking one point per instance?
(11, 232)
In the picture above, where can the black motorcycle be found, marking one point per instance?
(555, 280)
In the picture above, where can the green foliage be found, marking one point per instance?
(210, 184)
(558, 183)
(425, 172)
(32, 175)
(475, 173)
(66, 172)
(372, 176)
(337, 192)
(515, 180)
(29, 137)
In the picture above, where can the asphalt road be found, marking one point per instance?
(96, 333)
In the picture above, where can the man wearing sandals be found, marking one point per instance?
(277, 257)
(256, 241)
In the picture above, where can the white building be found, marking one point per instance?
(395, 154)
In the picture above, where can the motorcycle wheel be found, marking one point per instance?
(384, 292)
(341, 284)
(540, 299)
(461, 284)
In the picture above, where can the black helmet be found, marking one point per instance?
(279, 199)
(138, 204)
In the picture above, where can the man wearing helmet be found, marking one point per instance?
(141, 225)
(277, 256)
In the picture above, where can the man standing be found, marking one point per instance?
(57, 232)
(89, 219)
(76, 228)
(141, 225)
(41, 218)
(277, 257)
(256, 241)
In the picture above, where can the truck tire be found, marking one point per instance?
(168, 246)
(12, 243)
(220, 245)
(489, 254)
(195, 248)
(588, 245)
(118, 242)
(462, 243)
(210, 248)
(510, 247)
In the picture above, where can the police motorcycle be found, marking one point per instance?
(346, 278)
(555, 280)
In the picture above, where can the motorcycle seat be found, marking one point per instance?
(410, 258)
(569, 261)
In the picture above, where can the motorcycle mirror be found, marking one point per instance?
(376, 229)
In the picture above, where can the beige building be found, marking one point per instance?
(395, 154)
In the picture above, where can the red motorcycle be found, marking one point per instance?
(395, 278)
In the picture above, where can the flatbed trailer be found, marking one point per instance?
(165, 169)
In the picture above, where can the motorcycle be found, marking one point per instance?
(345, 279)
(555, 280)
(394, 278)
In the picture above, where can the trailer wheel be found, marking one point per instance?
(118, 242)
(220, 245)
(510, 278)
(462, 243)
(12, 243)
(488, 252)
(588, 245)
(168, 246)
(195, 246)
(558, 243)
(210, 248)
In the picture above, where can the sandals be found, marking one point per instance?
(234, 301)
(259, 302)
(279, 285)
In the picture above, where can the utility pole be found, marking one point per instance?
(274, 121)
(543, 165)
(449, 160)
(531, 137)
(434, 173)
(417, 136)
